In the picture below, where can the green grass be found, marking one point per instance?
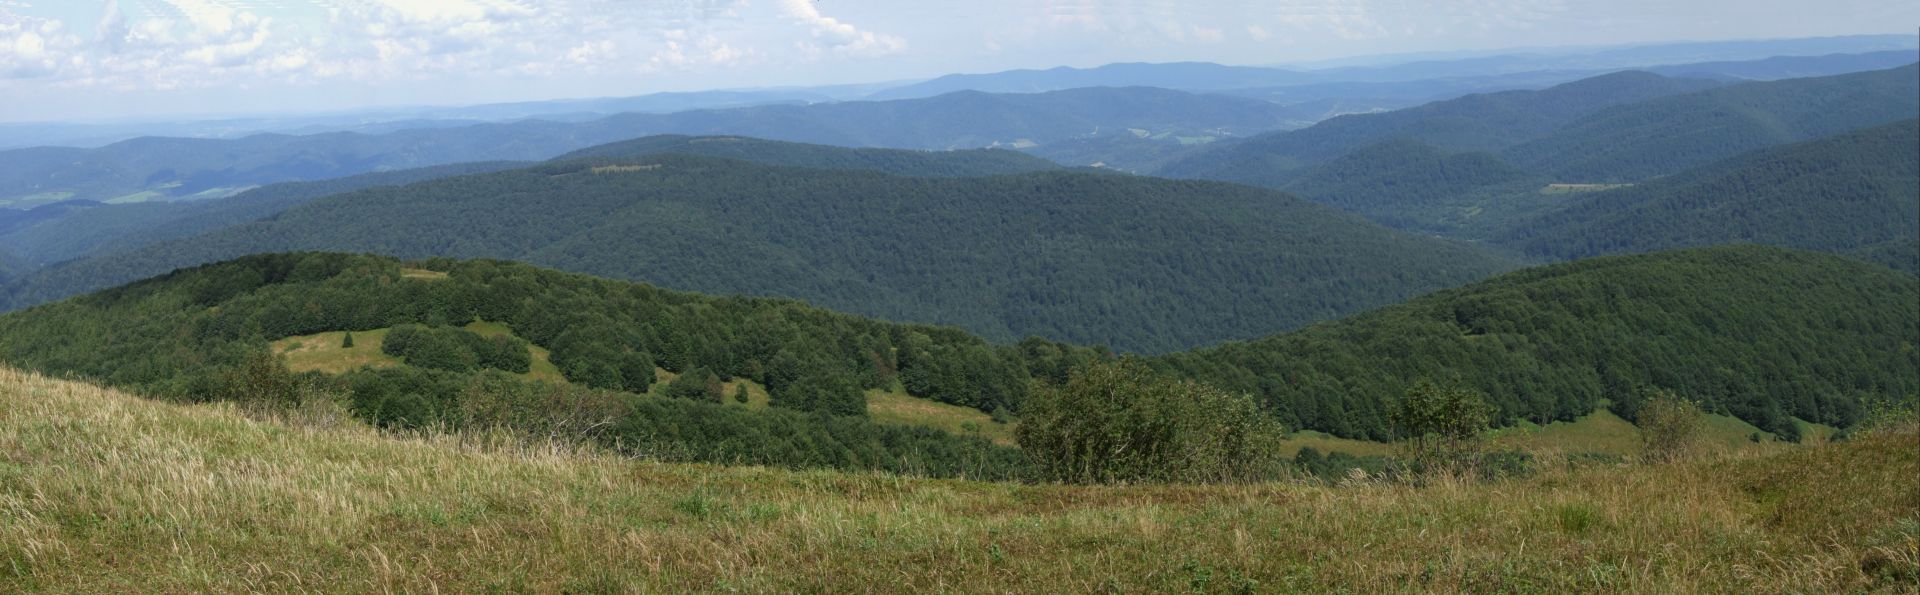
(322, 352)
(898, 408)
(102, 492)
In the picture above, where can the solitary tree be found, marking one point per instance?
(347, 343)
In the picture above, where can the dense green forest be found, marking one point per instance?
(1763, 334)
(196, 334)
(73, 229)
(1408, 184)
(1856, 193)
(1138, 264)
(1635, 142)
(1483, 122)
(101, 228)
(960, 163)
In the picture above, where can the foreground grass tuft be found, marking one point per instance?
(101, 492)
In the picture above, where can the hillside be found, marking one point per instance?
(200, 334)
(1761, 334)
(1852, 194)
(1138, 264)
(1408, 184)
(1630, 143)
(1724, 325)
(1483, 122)
(148, 169)
(64, 231)
(962, 163)
(108, 493)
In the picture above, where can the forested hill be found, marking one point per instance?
(1763, 334)
(1485, 122)
(1856, 193)
(111, 228)
(1138, 264)
(971, 162)
(1630, 143)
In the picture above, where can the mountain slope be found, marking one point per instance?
(1758, 333)
(1405, 183)
(1136, 263)
(1630, 143)
(1487, 122)
(1852, 193)
(962, 163)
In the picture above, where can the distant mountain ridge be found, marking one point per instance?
(173, 168)
(1487, 122)
(1633, 142)
(1140, 264)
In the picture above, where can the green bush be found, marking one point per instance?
(1121, 422)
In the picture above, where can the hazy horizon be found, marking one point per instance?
(139, 59)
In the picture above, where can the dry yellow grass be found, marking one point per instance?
(102, 492)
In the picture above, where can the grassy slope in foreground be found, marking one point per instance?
(104, 492)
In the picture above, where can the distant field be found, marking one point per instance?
(1579, 188)
(33, 200)
(106, 493)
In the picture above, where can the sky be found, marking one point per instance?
(105, 59)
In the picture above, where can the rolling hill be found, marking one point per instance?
(1139, 264)
(477, 334)
(1630, 143)
(1856, 193)
(1763, 334)
(173, 169)
(1484, 122)
(1769, 336)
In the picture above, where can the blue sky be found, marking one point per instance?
(86, 59)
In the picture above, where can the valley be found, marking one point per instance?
(585, 297)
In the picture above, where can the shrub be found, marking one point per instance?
(1669, 427)
(1121, 422)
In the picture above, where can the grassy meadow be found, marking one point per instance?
(104, 492)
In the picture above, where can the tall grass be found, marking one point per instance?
(101, 492)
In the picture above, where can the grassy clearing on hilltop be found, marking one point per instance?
(102, 492)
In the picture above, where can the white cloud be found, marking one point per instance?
(841, 37)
